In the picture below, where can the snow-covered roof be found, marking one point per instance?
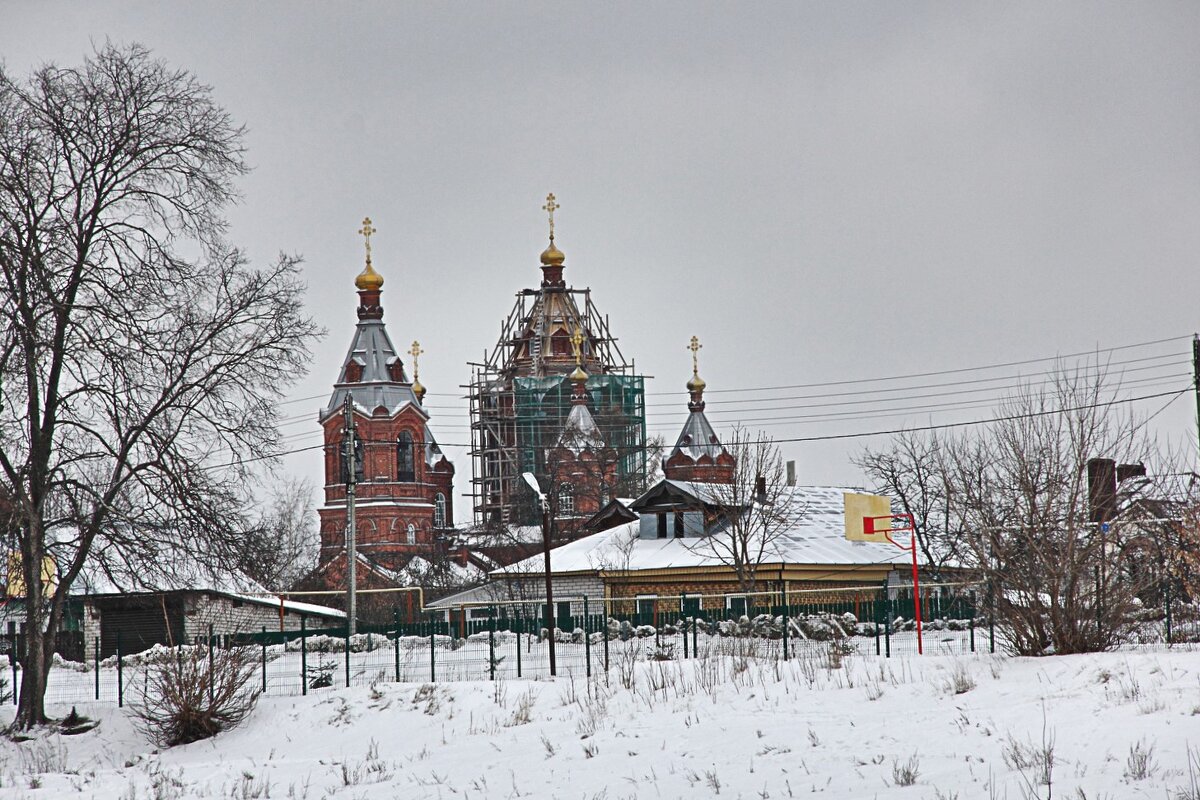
(184, 572)
(94, 581)
(698, 437)
(815, 535)
(580, 431)
(713, 494)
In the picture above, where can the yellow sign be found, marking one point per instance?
(859, 509)
(15, 586)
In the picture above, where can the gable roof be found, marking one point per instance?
(709, 494)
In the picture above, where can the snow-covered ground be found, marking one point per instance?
(1121, 725)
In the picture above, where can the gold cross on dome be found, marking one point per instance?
(577, 345)
(550, 208)
(366, 230)
(416, 352)
(695, 346)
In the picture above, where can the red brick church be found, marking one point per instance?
(404, 499)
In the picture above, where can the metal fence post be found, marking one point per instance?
(878, 604)
(1167, 597)
(491, 644)
(971, 621)
(587, 637)
(785, 630)
(12, 658)
(348, 655)
(396, 617)
(887, 625)
(991, 617)
(264, 658)
(519, 624)
(97, 650)
(210, 663)
(432, 658)
(683, 613)
(120, 676)
(303, 655)
(695, 626)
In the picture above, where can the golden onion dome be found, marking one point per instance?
(369, 279)
(696, 384)
(418, 390)
(552, 256)
(578, 374)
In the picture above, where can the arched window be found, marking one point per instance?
(411, 533)
(566, 500)
(404, 458)
(358, 460)
(439, 511)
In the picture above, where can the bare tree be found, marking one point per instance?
(757, 508)
(910, 471)
(140, 355)
(1020, 488)
(283, 546)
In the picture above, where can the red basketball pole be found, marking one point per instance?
(916, 591)
(911, 527)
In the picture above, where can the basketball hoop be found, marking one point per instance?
(909, 525)
(864, 517)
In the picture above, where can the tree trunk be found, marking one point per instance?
(35, 668)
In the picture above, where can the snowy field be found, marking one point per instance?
(1122, 725)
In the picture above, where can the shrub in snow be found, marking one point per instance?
(643, 631)
(73, 666)
(817, 629)
(190, 697)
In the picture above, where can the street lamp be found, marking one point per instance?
(547, 521)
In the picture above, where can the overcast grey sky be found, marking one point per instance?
(820, 192)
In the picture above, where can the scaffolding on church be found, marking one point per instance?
(520, 398)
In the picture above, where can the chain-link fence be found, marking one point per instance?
(508, 639)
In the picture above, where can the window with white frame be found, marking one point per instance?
(566, 500)
(439, 511)
(411, 533)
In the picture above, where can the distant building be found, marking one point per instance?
(404, 483)
(672, 545)
(522, 398)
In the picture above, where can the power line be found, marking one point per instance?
(956, 371)
(864, 434)
(882, 411)
(1016, 385)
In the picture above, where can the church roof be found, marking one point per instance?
(580, 432)
(373, 351)
(698, 438)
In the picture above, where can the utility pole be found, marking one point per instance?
(547, 528)
(547, 534)
(1196, 378)
(350, 459)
